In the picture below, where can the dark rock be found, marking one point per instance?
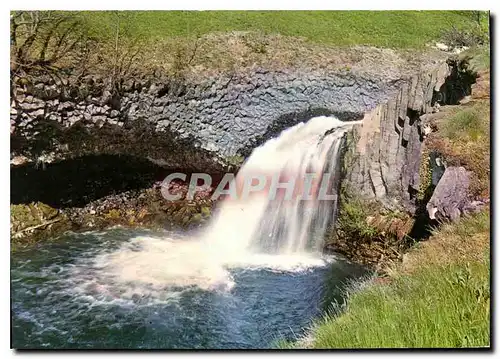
(210, 101)
(386, 148)
(437, 167)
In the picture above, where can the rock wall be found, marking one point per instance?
(386, 149)
(181, 123)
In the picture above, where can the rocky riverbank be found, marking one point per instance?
(143, 208)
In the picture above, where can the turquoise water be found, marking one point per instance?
(61, 297)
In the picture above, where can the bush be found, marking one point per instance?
(477, 58)
(352, 219)
(474, 36)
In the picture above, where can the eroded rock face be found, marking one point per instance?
(387, 145)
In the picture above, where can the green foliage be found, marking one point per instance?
(283, 344)
(436, 307)
(123, 45)
(477, 58)
(475, 34)
(236, 160)
(353, 211)
(352, 218)
(397, 29)
(468, 37)
(205, 211)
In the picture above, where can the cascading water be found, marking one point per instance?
(256, 230)
(259, 261)
(285, 225)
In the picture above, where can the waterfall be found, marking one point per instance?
(284, 233)
(290, 224)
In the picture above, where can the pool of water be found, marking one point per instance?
(120, 289)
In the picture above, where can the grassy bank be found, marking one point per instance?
(438, 297)
(399, 29)
(462, 133)
(181, 43)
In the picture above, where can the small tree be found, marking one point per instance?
(45, 40)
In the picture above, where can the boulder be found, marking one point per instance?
(450, 197)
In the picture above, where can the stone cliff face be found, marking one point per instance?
(386, 150)
(179, 124)
(399, 172)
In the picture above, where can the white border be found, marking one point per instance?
(253, 5)
(187, 5)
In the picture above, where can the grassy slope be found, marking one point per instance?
(440, 297)
(398, 29)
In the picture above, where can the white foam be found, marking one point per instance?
(150, 270)
(292, 226)
(157, 268)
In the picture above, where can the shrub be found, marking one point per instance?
(352, 219)
(470, 37)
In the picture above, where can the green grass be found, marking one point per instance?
(470, 124)
(186, 44)
(465, 141)
(436, 307)
(443, 300)
(397, 29)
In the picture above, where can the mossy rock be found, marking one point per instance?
(235, 161)
(206, 211)
(30, 223)
(196, 218)
(112, 214)
(368, 233)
